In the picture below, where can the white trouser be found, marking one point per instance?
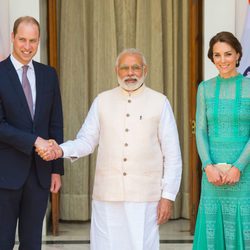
(124, 226)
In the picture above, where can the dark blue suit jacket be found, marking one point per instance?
(18, 131)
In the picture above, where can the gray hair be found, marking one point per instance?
(130, 51)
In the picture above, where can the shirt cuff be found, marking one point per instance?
(68, 155)
(169, 196)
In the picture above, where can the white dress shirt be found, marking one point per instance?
(30, 74)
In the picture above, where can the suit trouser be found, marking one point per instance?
(26, 205)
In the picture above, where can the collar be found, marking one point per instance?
(17, 65)
(132, 93)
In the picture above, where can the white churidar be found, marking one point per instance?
(124, 226)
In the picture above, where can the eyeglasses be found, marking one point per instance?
(134, 68)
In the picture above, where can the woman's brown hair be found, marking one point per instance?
(225, 37)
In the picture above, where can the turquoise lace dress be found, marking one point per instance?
(222, 133)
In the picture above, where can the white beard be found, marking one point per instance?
(130, 86)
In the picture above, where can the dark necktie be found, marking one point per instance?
(27, 89)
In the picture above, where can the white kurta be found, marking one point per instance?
(125, 225)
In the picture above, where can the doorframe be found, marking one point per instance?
(53, 62)
(195, 77)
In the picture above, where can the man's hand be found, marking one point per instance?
(164, 210)
(42, 144)
(55, 183)
(48, 149)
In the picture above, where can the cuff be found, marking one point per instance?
(169, 196)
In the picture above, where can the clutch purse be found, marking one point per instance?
(223, 167)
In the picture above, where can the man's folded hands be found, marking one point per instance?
(48, 150)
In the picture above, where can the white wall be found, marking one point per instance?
(219, 15)
(4, 29)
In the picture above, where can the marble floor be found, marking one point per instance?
(174, 235)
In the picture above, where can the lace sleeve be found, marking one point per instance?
(244, 158)
(202, 128)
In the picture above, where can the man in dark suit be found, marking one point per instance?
(27, 118)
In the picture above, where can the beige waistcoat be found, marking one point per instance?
(129, 162)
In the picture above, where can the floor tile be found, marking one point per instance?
(174, 235)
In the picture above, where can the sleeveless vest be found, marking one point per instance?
(129, 162)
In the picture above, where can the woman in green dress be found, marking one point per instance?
(222, 134)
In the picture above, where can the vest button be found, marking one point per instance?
(125, 144)
(126, 130)
(124, 174)
(127, 115)
(129, 101)
(125, 159)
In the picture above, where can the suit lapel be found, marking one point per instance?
(39, 87)
(17, 86)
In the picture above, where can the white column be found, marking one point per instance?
(4, 29)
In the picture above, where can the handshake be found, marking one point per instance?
(48, 150)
